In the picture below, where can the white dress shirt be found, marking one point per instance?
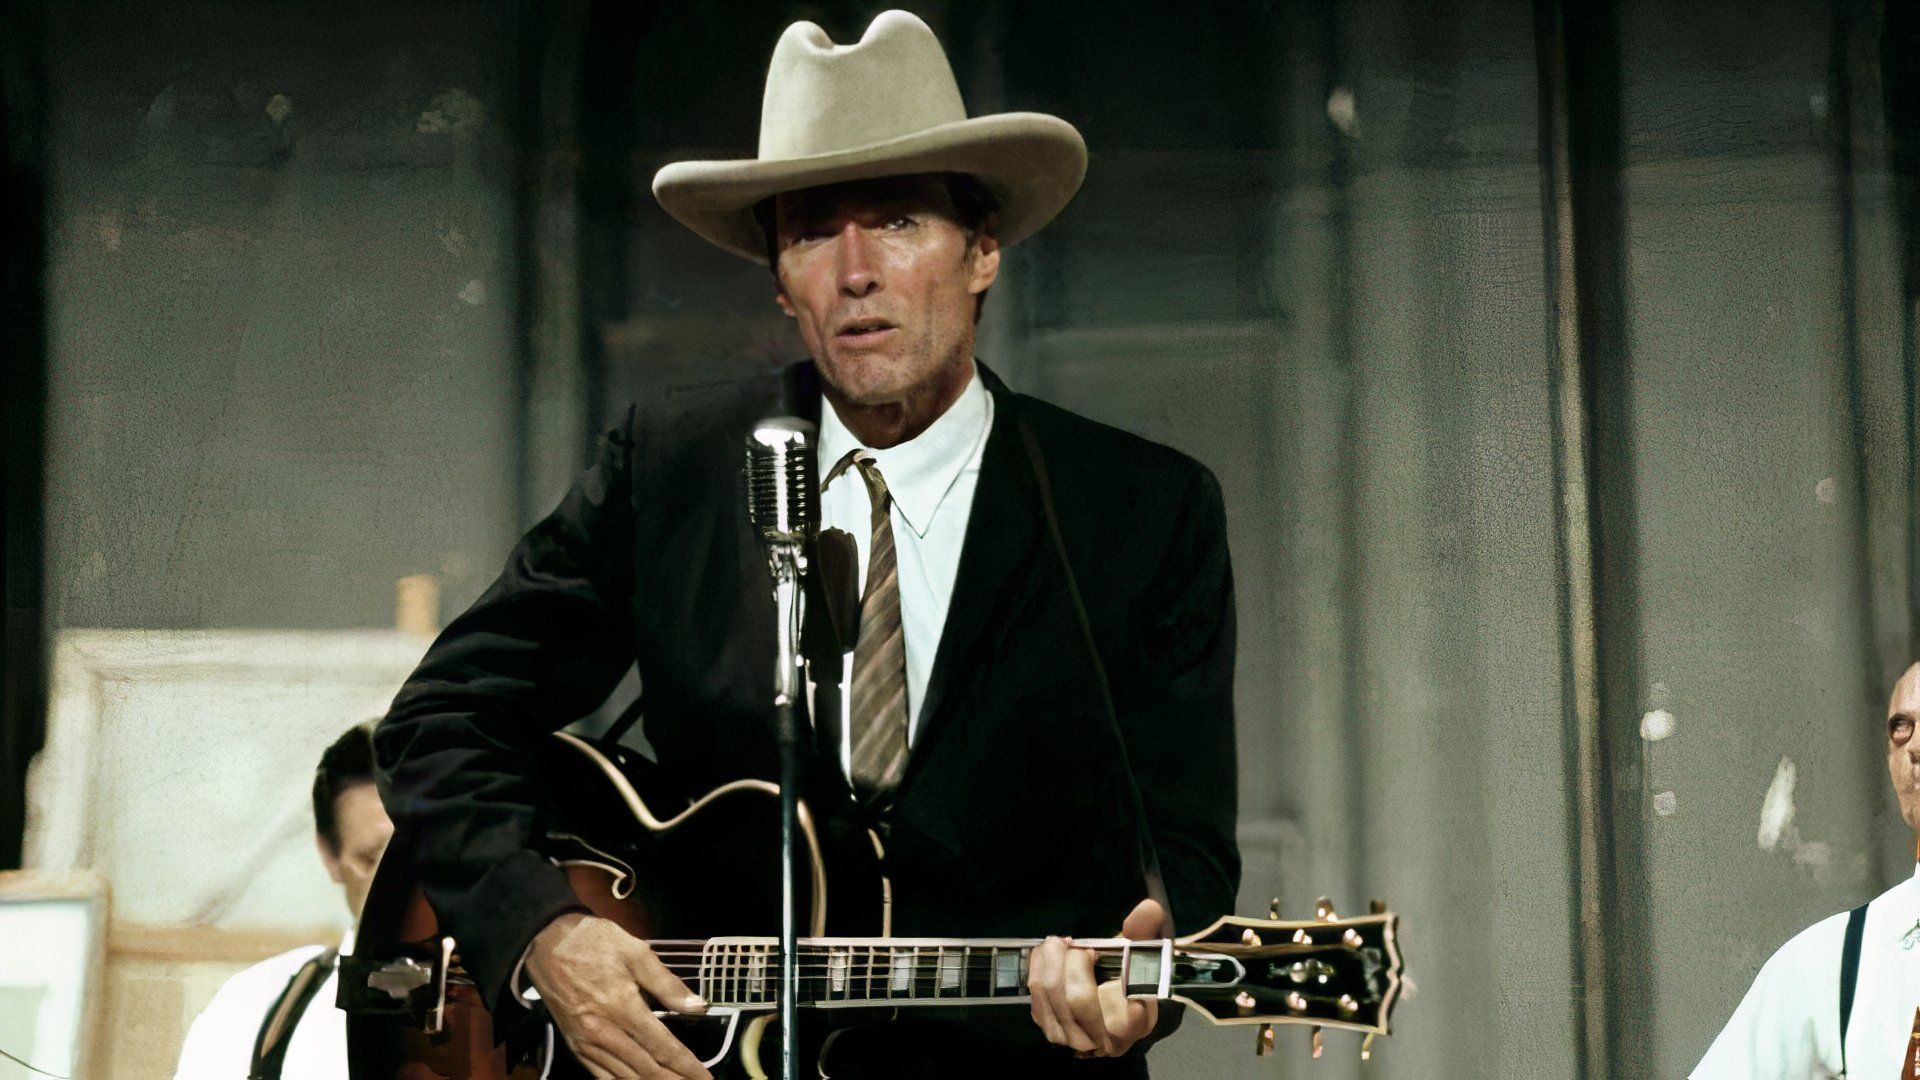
(932, 479)
(219, 1045)
(1788, 1026)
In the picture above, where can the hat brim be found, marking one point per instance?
(1032, 164)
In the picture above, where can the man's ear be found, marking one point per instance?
(328, 859)
(786, 305)
(986, 263)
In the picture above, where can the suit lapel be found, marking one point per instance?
(1002, 533)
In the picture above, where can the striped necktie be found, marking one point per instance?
(877, 701)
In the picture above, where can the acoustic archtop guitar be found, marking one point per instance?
(697, 878)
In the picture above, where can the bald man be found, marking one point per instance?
(1843, 993)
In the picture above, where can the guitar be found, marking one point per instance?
(674, 869)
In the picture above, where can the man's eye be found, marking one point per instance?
(1900, 729)
(899, 221)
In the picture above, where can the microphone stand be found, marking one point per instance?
(780, 501)
(788, 563)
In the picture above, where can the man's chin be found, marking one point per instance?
(862, 380)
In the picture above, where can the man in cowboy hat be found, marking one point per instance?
(1037, 705)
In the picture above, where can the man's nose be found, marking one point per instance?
(859, 274)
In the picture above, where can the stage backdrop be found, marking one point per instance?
(343, 294)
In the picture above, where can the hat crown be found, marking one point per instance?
(823, 97)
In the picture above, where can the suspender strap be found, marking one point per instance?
(1850, 974)
(276, 1031)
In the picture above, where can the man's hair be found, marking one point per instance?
(347, 762)
(974, 208)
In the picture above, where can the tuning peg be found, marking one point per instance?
(1296, 1001)
(1352, 939)
(1273, 909)
(1264, 1044)
(1245, 1003)
(1348, 1006)
(1323, 910)
(1366, 1047)
(1300, 937)
(1317, 1048)
(1249, 938)
(1377, 907)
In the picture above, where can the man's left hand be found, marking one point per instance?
(1095, 1021)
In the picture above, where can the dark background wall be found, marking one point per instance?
(339, 294)
(282, 309)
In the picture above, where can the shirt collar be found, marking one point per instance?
(920, 471)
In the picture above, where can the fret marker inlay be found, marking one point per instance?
(1006, 970)
(949, 970)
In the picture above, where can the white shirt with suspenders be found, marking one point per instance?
(1789, 1025)
(274, 1021)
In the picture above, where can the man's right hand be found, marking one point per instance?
(596, 980)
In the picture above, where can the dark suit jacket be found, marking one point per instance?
(1014, 817)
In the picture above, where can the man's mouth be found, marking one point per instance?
(864, 331)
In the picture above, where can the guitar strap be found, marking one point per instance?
(1850, 974)
(276, 1031)
(1143, 839)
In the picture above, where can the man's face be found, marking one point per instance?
(881, 280)
(1903, 748)
(364, 831)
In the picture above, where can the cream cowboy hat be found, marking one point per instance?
(887, 106)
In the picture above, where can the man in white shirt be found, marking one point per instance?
(1790, 1025)
(276, 1020)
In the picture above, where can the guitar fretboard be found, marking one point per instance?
(745, 972)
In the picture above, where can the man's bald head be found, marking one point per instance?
(1903, 749)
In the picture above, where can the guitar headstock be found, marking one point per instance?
(1327, 971)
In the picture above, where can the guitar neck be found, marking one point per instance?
(866, 972)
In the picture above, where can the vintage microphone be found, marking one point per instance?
(781, 502)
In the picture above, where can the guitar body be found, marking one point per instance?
(668, 866)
